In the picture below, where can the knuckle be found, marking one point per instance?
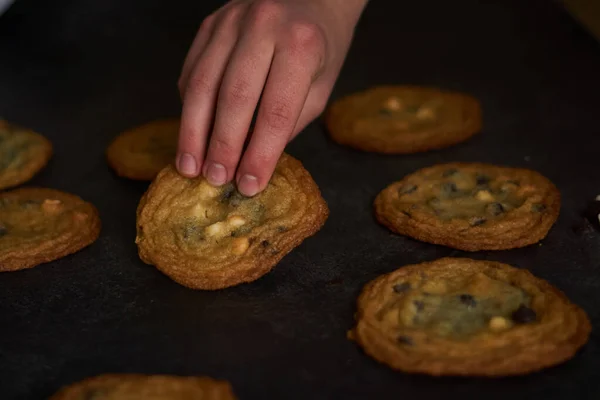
(198, 84)
(238, 93)
(279, 116)
(222, 150)
(207, 24)
(265, 11)
(306, 37)
(230, 17)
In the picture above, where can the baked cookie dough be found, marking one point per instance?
(457, 316)
(41, 225)
(403, 119)
(140, 153)
(146, 387)
(471, 206)
(23, 153)
(206, 237)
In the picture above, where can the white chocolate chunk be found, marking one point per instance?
(484, 195)
(216, 229)
(393, 104)
(499, 324)
(240, 245)
(235, 221)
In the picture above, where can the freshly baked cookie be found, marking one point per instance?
(146, 387)
(471, 206)
(40, 225)
(457, 316)
(140, 153)
(23, 153)
(403, 119)
(206, 237)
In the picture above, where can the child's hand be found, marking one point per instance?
(287, 53)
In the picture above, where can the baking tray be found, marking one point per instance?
(82, 71)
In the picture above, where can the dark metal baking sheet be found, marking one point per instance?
(81, 71)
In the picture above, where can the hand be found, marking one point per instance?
(285, 53)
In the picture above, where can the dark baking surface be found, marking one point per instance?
(80, 71)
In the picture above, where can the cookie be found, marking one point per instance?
(457, 316)
(146, 387)
(23, 153)
(140, 153)
(471, 206)
(206, 237)
(40, 225)
(403, 119)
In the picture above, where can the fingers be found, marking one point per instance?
(198, 45)
(240, 91)
(295, 66)
(201, 91)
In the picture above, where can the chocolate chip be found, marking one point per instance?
(449, 188)
(282, 229)
(265, 243)
(407, 189)
(419, 305)
(477, 221)
(3, 230)
(449, 172)
(385, 112)
(468, 300)
(406, 340)
(513, 182)
(227, 193)
(495, 209)
(401, 287)
(407, 213)
(482, 180)
(538, 207)
(524, 315)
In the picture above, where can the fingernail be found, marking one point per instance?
(216, 174)
(248, 185)
(187, 164)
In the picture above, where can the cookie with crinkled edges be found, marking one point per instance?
(206, 237)
(142, 152)
(39, 225)
(403, 119)
(23, 153)
(464, 317)
(146, 387)
(471, 206)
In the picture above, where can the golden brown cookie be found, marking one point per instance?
(403, 119)
(23, 153)
(140, 153)
(471, 206)
(146, 387)
(209, 238)
(457, 316)
(41, 225)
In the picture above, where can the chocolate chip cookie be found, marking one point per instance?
(206, 237)
(146, 387)
(140, 153)
(23, 153)
(40, 225)
(457, 316)
(471, 206)
(403, 119)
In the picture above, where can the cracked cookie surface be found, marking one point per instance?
(458, 316)
(206, 237)
(403, 119)
(146, 387)
(23, 153)
(39, 225)
(140, 153)
(471, 206)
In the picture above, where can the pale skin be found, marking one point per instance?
(278, 57)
